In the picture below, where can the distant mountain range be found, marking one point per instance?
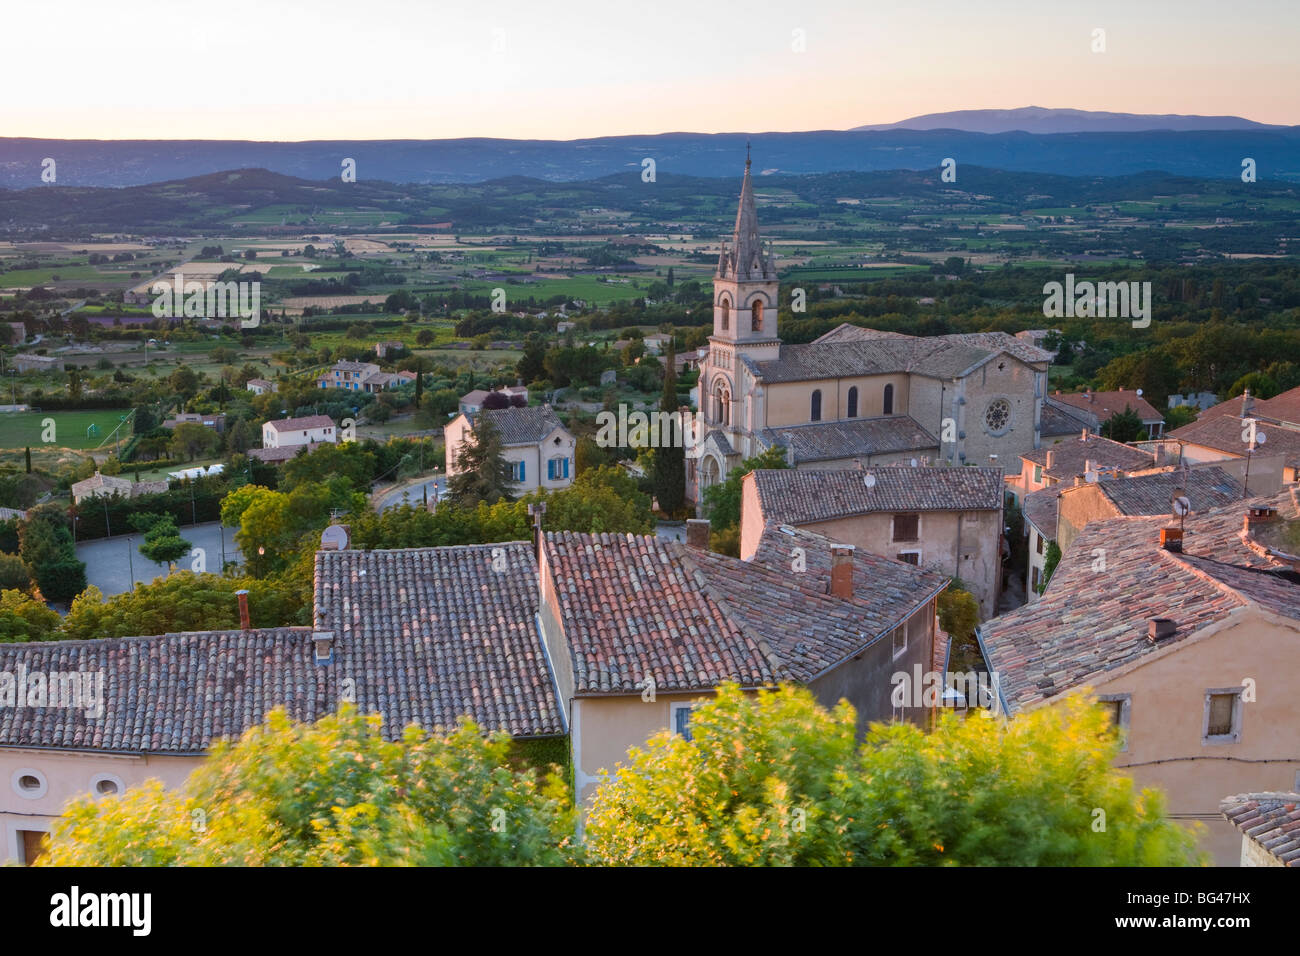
(1202, 153)
(1037, 119)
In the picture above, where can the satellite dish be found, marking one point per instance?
(1260, 438)
(1139, 393)
(914, 463)
(1182, 505)
(869, 480)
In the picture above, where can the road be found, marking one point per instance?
(113, 564)
(413, 494)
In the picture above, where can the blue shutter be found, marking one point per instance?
(566, 468)
(550, 469)
(522, 474)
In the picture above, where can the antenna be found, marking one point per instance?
(869, 480)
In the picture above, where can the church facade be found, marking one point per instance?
(854, 397)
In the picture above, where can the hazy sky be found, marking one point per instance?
(344, 69)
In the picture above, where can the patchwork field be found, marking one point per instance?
(71, 429)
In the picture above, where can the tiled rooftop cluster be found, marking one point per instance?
(1271, 820)
(803, 496)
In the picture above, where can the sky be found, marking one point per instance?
(432, 69)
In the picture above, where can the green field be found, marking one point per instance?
(27, 429)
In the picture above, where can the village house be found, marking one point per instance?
(361, 377)
(1187, 632)
(854, 393)
(261, 386)
(384, 349)
(948, 520)
(291, 434)
(639, 630)
(214, 420)
(534, 441)
(37, 363)
(19, 334)
(105, 486)
(1097, 408)
(1223, 434)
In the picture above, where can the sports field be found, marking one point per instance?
(22, 429)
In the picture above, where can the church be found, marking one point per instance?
(854, 397)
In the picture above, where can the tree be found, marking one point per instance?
(1260, 385)
(959, 613)
(22, 618)
(1051, 558)
(14, 575)
(163, 543)
(1124, 426)
(183, 601)
(191, 440)
(532, 364)
(348, 460)
(774, 779)
(333, 793)
(669, 467)
(273, 524)
(184, 382)
(47, 549)
(494, 401)
(482, 471)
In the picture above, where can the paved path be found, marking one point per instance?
(411, 494)
(112, 564)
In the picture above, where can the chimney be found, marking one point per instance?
(244, 623)
(1259, 515)
(1051, 460)
(323, 643)
(1171, 539)
(1088, 393)
(1161, 628)
(842, 570)
(697, 533)
(1247, 403)
(1084, 435)
(537, 512)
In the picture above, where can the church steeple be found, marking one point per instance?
(744, 286)
(746, 259)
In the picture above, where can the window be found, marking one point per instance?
(910, 557)
(106, 785)
(557, 468)
(1117, 708)
(681, 719)
(1038, 543)
(853, 402)
(907, 527)
(756, 315)
(517, 471)
(888, 405)
(815, 413)
(998, 416)
(899, 639)
(1038, 473)
(28, 783)
(1222, 716)
(725, 308)
(1035, 577)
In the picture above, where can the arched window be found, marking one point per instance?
(756, 315)
(889, 400)
(853, 402)
(816, 415)
(726, 314)
(721, 404)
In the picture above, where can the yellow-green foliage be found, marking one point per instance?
(333, 793)
(774, 779)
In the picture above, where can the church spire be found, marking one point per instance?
(746, 258)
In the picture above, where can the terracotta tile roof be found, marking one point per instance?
(1091, 621)
(523, 426)
(302, 424)
(1071, 455)
(1224, 433)
(1056, 420)
(284, 452)
(987, 342)
(636, 606)
(171, 694)
(1104, 405)
(430, 634)
(856, 438)
(1272, 820)
(1284, 407)
(801, 496)
(1206, 488)
(1040, 509)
